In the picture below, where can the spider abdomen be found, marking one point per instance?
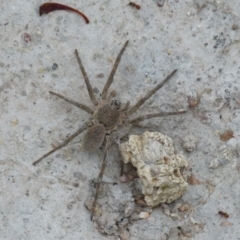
(94, 138)
(108, 115)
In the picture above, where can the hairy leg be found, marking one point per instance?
(79, 105)
(153, 115)
(150, 93)
(99, 179)
(64, 143)
(125, 108)
(111, 76)
(86, 79)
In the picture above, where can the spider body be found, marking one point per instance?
(94, 137)
(107, 116)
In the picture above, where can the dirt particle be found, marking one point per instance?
(227, 135)
(26, 37)
(100, 75)
(192, 180)
(234, 27)
(54, 66)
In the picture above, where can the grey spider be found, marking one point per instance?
(107, 116)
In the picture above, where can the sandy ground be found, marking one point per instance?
(199, 38)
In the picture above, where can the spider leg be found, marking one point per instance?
(79, 105)
(109, 144)
(121, 157)
(111, 95)
(64, 143)
(153, 115)
(111, 76)
(99, 179)
(150, 93)
(125, 108)
(86, 79)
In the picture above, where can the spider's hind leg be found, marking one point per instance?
(99, 179)
(64, 143)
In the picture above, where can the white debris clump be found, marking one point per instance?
(189, 143)
(158, 167)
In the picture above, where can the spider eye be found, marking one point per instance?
(116, 104)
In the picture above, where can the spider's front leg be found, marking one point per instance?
(79, 105)
(86, 79)
(114, 69)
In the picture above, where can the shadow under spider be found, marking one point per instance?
(107, 115)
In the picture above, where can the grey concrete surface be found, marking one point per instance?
(199, 38)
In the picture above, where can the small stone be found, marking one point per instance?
(160, 3)
(79, 175)
(192, 102)
(88, 204)
(141, 203)
(226, 224)
(183, 208)
(144, 215)
(76, 185)
(193, 99)
(123, 222)
(189, 143)
(134, 217)
(214, 163)
(175, 216)
(166, 210)
(234, 27)
(129, 209)
(54, 66)
(227, 135)
(14, 122)
(26, 37)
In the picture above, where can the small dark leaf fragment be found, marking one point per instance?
(50, 7)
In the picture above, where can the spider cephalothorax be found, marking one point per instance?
(107, 116)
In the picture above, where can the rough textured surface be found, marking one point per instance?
(158, 167)
(198, 37)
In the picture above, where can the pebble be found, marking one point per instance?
(144, 215)
(189, 143)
